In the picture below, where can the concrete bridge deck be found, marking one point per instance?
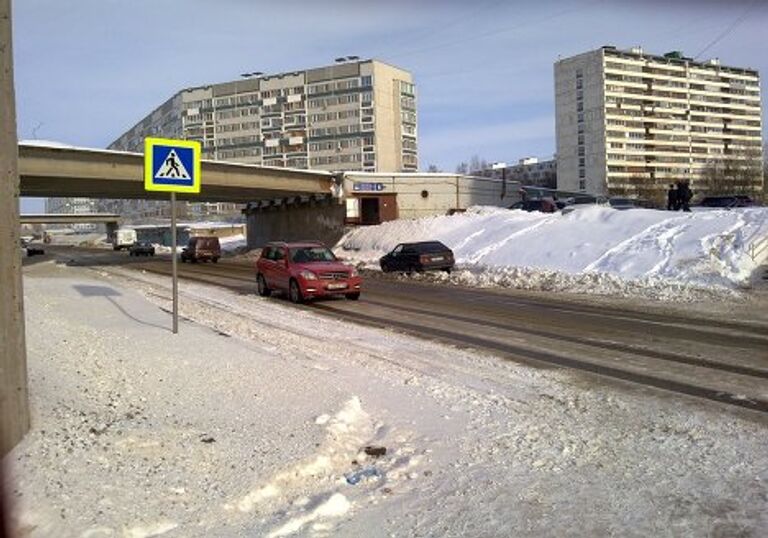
(52, 171)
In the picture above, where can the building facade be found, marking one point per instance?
(529, 171)
(350, 116)
(369, 198)
(358, 115)
(630, 123)
(73, 206)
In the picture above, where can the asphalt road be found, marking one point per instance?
(724, 360)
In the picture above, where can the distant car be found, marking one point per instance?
(305, 270)
(34, 251)
(622, 203)
(544, 205)
(142, 248)
(202, 248)
(727, 201)
(422, 256)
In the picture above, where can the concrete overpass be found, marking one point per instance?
(68, 218)
(54, 171)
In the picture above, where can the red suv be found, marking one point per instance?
(305, 270)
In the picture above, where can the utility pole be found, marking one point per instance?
(14, 407)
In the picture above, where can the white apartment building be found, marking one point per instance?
(355, 115)
(351, 116)
(629, 118)
(529, 171)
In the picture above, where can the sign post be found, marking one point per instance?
(172, 166)
(174, 266)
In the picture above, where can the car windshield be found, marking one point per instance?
(312, 254)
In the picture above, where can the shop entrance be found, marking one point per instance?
(378, 209)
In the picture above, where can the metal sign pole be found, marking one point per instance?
(172, 166)
(174, 262)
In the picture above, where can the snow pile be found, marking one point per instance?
(594, 249)
(233, 243)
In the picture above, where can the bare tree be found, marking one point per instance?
(462, 168)
(433, 169)
(649, 192)
(476, 164)
(737, 173)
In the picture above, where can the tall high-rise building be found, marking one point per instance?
(354, 115)
(357, 115)
(629, 122)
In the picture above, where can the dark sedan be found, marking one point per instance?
(142, 248)
(422, 256)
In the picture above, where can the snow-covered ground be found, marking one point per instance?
(253, 421)
(592, 250)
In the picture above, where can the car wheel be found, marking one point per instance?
(447, 270)
(385, 268)
(215, 260)
(353, 296)
(294, 293)
(261, 282)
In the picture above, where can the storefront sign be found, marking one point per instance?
(367, 187)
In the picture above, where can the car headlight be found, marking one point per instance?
(308, 275)
(353, 273)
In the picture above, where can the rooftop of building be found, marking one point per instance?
(258, 75)
(673, 57)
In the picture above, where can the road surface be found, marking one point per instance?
(702, 356)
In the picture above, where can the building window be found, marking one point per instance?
(582, 184)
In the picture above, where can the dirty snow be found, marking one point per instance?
(592, 250)
(248, 422)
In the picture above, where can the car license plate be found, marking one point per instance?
(339, 286)
(437, 258)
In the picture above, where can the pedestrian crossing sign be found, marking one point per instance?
(171, 165)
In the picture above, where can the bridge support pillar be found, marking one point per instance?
(111, 230)
(14, 408)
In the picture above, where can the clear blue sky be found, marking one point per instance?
(87, 70)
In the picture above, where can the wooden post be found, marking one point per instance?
(14, 408)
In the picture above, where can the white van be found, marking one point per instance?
(123, 238)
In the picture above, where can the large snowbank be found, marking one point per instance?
(596, 249)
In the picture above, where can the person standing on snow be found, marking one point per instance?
(671, 198)
(685, 198)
